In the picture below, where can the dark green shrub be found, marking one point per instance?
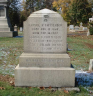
(91, 30)
(91, 27)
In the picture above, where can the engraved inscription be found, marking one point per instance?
(45, 36)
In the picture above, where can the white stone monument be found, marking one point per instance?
(76, 28)
(81, 24)
(45, 61)
(71, 27)
(91, 19)
(4, 24)
(21, 29)
(91, 65)
(85, 29)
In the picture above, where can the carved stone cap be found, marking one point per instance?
(45, 12)
(1, 1)
(4, 3)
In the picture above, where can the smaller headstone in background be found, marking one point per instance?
(91, 19)
(91, 65)
(85, 28)
(21, 29)
(81, 28)
(71, 27)
(76, 27)
(88, 33)
(15, 28)
(60, 10)
(81, 24)
(15, 33)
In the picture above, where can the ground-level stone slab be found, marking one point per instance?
(6, 34)
(37, 77)
(44, 60)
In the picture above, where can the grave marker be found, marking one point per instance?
(45, 61)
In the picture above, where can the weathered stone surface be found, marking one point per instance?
(91, 65)
(73, 89)
(43, 33)
(6, 34)
(4, 21)
(45, 61)
(35, 76)
(71, 27)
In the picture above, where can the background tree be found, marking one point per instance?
(24, 13)
(34, 5)
(14, 11)
(79, 11)
(63, 5)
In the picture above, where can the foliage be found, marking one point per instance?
(38, 4)
(30, 6)
(14, 17)
(74, 11)
(79, 11)
(64, 5)
(24, 13)
(91, 27)
(91, 30)
(13, 12)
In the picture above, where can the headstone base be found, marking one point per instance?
(6, 34)
(44, 60)
(44, 77)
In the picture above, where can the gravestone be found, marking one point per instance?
(4, 21)
(81, 24)
(91, 65)
(45, 61)
(85, 29)
(21, 29)
(76, 27)
(91, 19)
(71, 27)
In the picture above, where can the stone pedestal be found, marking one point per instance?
(45, 61)
(4, 24)
(4, 28)
(38, 77)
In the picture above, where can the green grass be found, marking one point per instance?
(12, 48)
(28, 91)
(81, 54)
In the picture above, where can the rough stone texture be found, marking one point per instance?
(45, 61)
(4, 21)
(91, 65)
(4, 29)
(6, 34)
(35, 76)
(3, 2)
(43, 33)
(71, 27)
(88, 33)
(73, 89)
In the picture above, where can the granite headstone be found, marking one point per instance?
(45, 61)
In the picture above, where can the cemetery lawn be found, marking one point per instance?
(12, 48)
(82, 51)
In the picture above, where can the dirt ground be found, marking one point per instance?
(89, 45)
(7, 78)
